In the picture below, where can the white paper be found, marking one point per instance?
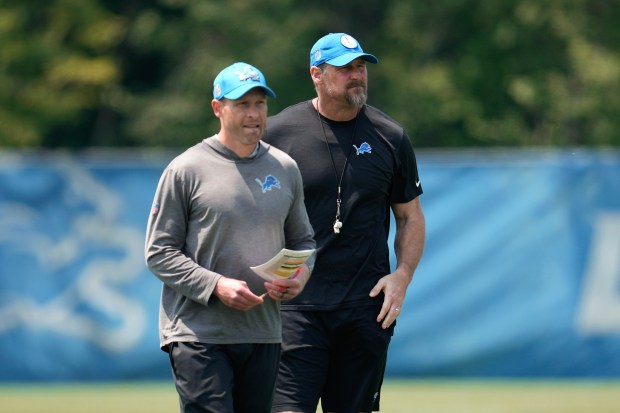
(283, 265)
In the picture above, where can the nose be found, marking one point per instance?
(358, 72)
(253, 111)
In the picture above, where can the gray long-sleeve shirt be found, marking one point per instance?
(215, 214)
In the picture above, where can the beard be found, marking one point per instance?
(355, 93)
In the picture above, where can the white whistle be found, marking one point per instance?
(337, 226)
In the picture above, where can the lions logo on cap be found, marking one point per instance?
(248, 74)
(348, 42)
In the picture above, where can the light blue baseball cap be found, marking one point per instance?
(338, 49)
(237, 79)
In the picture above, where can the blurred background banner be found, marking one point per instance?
(76, 301)
(521, 273)
(520, 277)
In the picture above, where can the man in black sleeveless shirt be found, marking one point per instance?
(357, 164)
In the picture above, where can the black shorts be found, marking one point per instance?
(337, 356)
(224, 378)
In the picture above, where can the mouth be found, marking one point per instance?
(355, 85)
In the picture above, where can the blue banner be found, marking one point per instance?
(520, 276)
(76, 301)
(521, 272)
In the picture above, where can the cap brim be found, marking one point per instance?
(345, 59)
(242, 90)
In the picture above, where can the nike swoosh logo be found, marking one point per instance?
(417, 184)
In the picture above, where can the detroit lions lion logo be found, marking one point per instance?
(270, 183)
(364, 148)
(248, 74)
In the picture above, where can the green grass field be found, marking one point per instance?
(397, 397)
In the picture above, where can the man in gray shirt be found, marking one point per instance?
(226, 204)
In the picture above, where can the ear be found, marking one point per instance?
(315, 74)
(216, 105)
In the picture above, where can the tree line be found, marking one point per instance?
(454, 73)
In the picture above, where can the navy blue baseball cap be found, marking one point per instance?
(338, 49)
(237, 79)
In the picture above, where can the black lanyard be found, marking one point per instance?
(337, 222)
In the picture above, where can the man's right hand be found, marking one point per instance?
(236, 294)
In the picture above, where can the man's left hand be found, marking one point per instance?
(394, 287)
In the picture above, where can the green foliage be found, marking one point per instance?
(453, 72)
(56, 60)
